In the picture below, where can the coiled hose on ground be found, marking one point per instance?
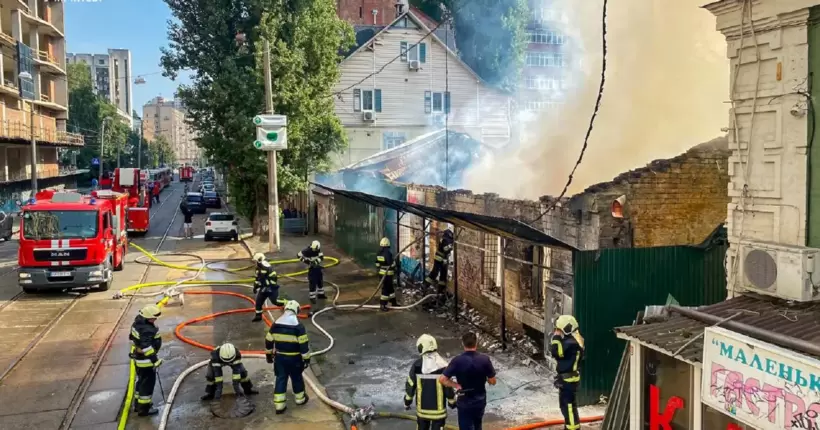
(314, 385)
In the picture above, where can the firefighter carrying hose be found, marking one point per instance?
(145, 344)
(567, 348)
(423, 383)
(385, 264)
(265, 285)
(442, 258)
(288, 348)
(226, 356)
(313, 257)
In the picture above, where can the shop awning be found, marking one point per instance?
(504, 227)
(797, 320)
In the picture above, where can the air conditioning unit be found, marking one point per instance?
(368, 115)
(784, 271)
(414, 64)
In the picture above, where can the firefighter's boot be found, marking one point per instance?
(257, 318)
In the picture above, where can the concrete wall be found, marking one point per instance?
(768, 162)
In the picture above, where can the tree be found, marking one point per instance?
(227, 89)
(490, 35)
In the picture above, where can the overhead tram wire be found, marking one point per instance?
(591, 120)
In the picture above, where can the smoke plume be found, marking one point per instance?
(666, 84)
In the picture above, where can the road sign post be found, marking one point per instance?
(272, 136)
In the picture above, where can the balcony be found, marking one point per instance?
(7, 39)
(49, 63)
(43, 172)
(14, 127)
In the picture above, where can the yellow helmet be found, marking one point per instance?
(150, 312)
(567, 324)
(315, 245)
(293, 306)
(227, 352)
(426, 343)
(258, 257)
(385, 242)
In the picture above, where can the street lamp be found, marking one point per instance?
(102, 147)
(27, 76)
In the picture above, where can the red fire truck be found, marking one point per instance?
(186, 173)
(69, 240)
(129, 182)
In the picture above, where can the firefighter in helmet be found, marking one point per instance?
(224, 356)
(438, 275)
(567, 348)
(423, 384)
(313, 257)
(145, 344)
(288, 348)
(386, 266)
(265, 286)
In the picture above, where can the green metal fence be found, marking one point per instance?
(612, 285)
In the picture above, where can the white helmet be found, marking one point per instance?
(227, 352)
(293, 306)
(150, 312)
(258, 257)
(426, 343)
(315, 245)
(385, 242)
(567, 324)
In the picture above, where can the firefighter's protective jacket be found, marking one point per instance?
(266, 277)
(145, 342)
(429, 393)
(313, 258)
(445, 246)
(287, 337)
(568, 354)
(384, 262)
(218, 365)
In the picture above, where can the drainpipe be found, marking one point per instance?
(765, 335)
(375, 13)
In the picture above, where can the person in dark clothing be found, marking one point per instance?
(226, 356)
(287, 346)
(384, 262)
(313, 257)
(472, 371)
(423, 383)
(567, 348)
(156, 190)
(438, 275)
(187, 222)
(265, 286)
(145, 344)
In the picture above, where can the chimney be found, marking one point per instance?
(375, 13)
(401, 7)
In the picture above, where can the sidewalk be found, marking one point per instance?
(373, 351)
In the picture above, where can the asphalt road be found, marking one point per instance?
(51, 341)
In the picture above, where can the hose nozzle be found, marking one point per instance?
(363, 415)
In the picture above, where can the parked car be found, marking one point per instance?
(207, 187)
(212, 199)
(221, 226)
(196, 203)
(6, 225)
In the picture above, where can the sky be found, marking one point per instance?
(92, 27)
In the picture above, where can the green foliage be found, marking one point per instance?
(490, 35)
(227, 88)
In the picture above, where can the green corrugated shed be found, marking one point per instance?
(613, 285)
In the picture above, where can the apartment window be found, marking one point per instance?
(545, 59)
(392, 139)
(102, 62)
(541, 83)
(542, 106)
(436, 102)
(367, 100)
(413, 52)
(544, 14)
(543, 37)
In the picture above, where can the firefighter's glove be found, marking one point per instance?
(407, 405)
(158, 363)
(269, 358)
(305, 364)
(255, 289)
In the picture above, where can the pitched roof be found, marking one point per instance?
(427, 31)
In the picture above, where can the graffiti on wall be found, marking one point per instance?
(760, 384)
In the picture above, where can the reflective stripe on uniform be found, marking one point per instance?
(218, 379)
(289, 338)
(560, 348)
(236, 377)
(300, 398)
(143, 363)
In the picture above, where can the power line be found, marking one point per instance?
(591, 120)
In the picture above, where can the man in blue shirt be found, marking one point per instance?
(472, 371)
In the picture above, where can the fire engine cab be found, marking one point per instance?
(69, 240)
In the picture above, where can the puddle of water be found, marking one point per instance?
(103, 396)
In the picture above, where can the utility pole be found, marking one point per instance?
(139, 149)
(33, 152)
(273, 193)
(102, 149)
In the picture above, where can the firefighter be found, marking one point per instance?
(288, 348)
(145, 344)
(156, 190)
(442, 259)
(567, 348)
(265, 285)
(423, 383)
(313, 257)
(385, 263)
(226, 356)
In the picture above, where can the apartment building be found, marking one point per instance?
(161, 117)
(34, 26)
(111, 77)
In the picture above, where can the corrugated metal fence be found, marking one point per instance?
(612, 285)
(359, 226)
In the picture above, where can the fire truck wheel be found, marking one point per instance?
(118, 267)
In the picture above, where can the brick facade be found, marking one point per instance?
(677, 201)
(360, 12)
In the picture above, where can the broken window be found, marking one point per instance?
(490, 263)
